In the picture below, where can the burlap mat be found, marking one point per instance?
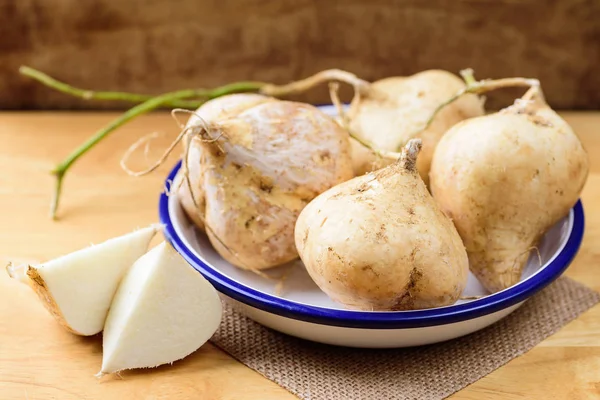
(320, 372)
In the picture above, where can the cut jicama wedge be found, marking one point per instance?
(78, 288)
(163, 311)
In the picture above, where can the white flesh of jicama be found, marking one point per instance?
(163, 311)
(77, 288)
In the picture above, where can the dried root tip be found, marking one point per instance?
(303, 85)
(481, 296)
(100, 375)
(408, 159)
(480, 87)
(535, 96)
(529, 105)
(201, 129)
(281, 280)
(144, 140)
(18, 272)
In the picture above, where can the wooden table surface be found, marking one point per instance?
(40, 360)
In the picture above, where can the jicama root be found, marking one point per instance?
(379, 242)
(505, 179)
(77, 288)
(146, 104)
(162, 312)
(387, 113)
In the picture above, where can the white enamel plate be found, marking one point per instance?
(301, 309)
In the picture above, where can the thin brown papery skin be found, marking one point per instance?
(39, 286)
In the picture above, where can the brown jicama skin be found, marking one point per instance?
(395, 110)
(379, 242)
(387, 113)
(505, 179)
(211, 112)
(253, 170)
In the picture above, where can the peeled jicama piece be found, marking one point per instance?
(78, 288)
(162, 312)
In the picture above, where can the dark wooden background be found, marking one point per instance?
(155, 46)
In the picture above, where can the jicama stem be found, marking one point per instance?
(333, 94)
(94, 95)
(305, 84)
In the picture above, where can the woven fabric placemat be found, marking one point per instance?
(314, 371)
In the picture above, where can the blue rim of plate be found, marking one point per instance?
(376, 320)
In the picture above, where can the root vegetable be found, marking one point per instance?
(379, 242)
(505, 179)
(77, 288)
(254, 166)
(163, 311)
(391, 111)
(211, 112)
(396, 109)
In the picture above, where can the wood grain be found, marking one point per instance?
(39, 360)
(153, 47)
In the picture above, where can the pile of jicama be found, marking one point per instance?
(429, 188)
(388, 206)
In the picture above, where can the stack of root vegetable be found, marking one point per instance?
(388, 206)
(256, 169)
